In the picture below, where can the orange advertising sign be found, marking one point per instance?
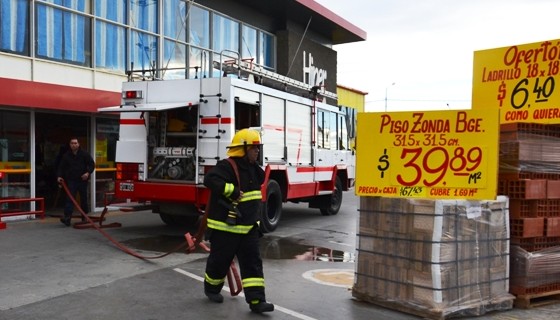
(522, 81)
(435, 154)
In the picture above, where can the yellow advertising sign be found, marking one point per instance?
(433, 154)
(522, 81)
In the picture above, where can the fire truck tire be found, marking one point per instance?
(167, 219)
(335, 200)
(186, 221)
(178, 221)
(272, 207)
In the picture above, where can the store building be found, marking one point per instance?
(61, 60)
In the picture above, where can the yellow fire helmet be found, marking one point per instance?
(242, 139)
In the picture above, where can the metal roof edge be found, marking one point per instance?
(331, 16)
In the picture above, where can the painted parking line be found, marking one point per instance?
(276, 307)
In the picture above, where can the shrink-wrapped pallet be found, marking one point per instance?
(434, 258)
(535, 272)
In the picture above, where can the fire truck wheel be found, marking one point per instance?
(180, 221)
(335, 200)
(272, 207)
(167, 219)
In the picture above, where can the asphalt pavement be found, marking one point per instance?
(49, 271)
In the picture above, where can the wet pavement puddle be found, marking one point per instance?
(271, 248)
(287, 248)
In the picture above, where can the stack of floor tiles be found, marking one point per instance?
(434, 258)
(530, 177)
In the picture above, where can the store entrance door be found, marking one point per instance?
(52, 134)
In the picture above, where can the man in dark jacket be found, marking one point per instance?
(75, 168)
(233, 216)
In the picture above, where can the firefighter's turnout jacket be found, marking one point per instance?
(240, 239)
(222, 182)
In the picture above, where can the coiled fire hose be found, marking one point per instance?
(234, 280)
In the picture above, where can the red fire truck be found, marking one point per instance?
(173, 131)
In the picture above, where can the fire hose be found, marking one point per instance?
(234, 280)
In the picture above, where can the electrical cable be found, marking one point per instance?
(299, 46)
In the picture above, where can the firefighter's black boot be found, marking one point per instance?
(261, 306)
(215, 297)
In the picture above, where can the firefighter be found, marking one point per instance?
(233, 221)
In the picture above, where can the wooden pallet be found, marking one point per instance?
(528, 301)
(505, 303)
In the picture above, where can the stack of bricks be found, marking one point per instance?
(530, 177)
(535, 273)
(434, 258)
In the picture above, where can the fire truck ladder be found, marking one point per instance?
(247, 69)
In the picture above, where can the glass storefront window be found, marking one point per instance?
(106, 136)
(143, 14)
(199, 63)
(63, 36)
(143, 50)
(52, 134)
(225, 34)
(15, 165)
(109, 53)
(174, 24)
(175, 60)
(267, 50)
(225, 41)
(114, 10)
(249, 43)
(14, 26)
(79, 5)
(199, 27)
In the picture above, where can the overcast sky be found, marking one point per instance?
(425, 47)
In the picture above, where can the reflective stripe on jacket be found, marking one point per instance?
(223, 184)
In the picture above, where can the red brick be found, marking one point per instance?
(521, 208)
(502, 187)
(553, 207)
(553, 189)
(527, 227)
(527, 189)
(535, 244)
(519, 290)
(552, 227)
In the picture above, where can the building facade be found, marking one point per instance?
(61, 60)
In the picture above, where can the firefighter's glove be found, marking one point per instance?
(231, 218)
(237, 212)
(233, 214)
